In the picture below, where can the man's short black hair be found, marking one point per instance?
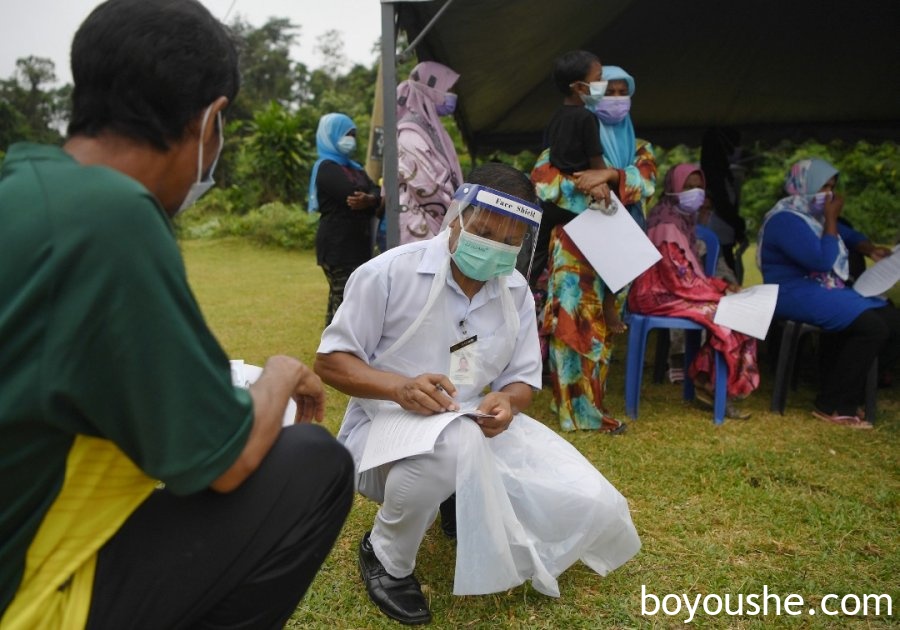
(145, 68)
(504, 178)
(571, 67)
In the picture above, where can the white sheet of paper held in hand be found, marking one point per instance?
(615, 245)
(243, 374)
(879, 277)
(749, 311)
(397, 433)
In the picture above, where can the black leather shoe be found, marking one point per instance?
(448, 517)
(398, 598)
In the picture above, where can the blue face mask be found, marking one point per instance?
(448, 106)
(597, 90)
(203, 183)
(347, 145)
(481, 258)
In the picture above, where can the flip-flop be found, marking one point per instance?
(851, 422)
(614, 430)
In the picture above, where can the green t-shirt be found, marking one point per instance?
(100, 335)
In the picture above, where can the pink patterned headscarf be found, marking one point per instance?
(667, 208)
(665, 215)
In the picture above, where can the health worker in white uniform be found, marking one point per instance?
(437, 343)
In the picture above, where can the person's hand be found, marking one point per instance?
(498, 405)
(360, 201)
(833, 207)
(879, 251)
(733, 288)
(595, 182)
(310, 397)
(426, 394)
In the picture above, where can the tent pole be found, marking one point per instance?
(389, 94)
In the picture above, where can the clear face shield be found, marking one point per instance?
(493, 232)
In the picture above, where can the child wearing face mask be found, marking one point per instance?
(677, 286)
(580, 315)
(572, 144)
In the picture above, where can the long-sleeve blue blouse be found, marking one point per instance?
(790, 252)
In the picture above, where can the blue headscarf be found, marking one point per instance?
(332, 127)
(618, 140)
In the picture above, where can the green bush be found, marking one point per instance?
(278, 154)
(277, 224)
(205, 218)
(274, 224)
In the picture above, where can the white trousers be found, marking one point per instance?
(410, 492)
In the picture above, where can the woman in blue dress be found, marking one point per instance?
(803, 248)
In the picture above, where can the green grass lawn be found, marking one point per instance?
(783, 502)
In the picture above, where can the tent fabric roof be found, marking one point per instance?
(772, 68)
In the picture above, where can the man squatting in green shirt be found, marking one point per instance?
(110, 380)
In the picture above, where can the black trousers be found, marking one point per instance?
(237, 560)
(337, 279)
(847, 356)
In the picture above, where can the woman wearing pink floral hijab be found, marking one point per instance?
(677, 286)
(429, 169)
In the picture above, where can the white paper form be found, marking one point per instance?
(614, 245)
(879, 277)
(749, 311)
(397, 433)
(243, 374)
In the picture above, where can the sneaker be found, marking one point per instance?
(398, 598)
(851, 422)
(676, 375)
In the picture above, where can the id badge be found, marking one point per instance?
(463, 360)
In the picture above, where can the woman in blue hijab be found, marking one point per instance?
(803, 248)
(347, 199)
(631, 164)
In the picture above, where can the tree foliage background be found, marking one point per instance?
(263, 174)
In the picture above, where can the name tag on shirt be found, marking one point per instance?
(463, 359)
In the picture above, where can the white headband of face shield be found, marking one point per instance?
(497, 201)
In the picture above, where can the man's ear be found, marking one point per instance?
(211, 129)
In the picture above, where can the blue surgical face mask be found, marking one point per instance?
(597, 92)
(448, 106)
(613, 109)
(347, 145)
(818, 201)
(689, 201)
(481, 258)
(199, 187)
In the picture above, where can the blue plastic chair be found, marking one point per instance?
(639, 327)
(713, 249)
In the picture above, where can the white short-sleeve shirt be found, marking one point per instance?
(384, 297)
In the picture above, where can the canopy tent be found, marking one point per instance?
(770, 68)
